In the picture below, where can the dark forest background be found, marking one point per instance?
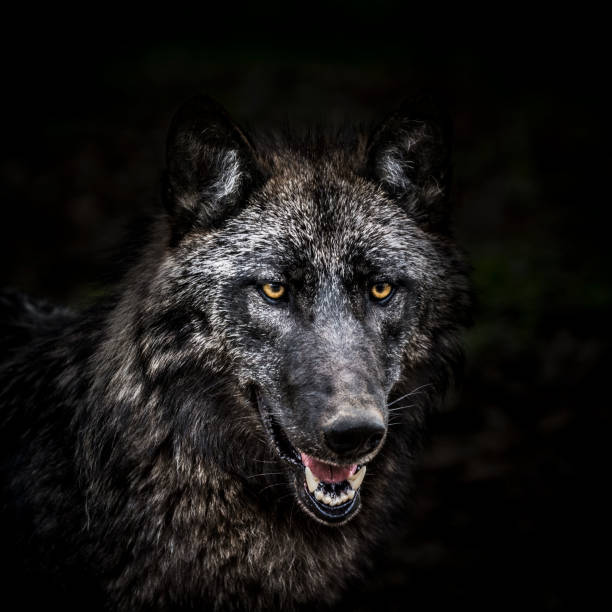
(508, 511)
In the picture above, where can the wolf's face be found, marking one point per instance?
(313, 276)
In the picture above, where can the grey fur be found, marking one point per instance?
(138, 460)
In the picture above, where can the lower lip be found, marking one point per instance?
(333, 514)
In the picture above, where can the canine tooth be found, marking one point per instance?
(350, 493)
(311, 480)
(318, 494)
(357, 479)
(327, 499)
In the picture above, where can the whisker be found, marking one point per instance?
(398, 408)
(413, 392)
(278, 499)
(264, 474)
(274, 484)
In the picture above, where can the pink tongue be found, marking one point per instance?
(327, 472)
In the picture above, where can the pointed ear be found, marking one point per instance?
(210, 166)
(409, 155)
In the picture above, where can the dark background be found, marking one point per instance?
(508, 510)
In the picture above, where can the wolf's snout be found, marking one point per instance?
(355, 435)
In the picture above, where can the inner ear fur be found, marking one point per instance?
(409, 155)
(209, 166)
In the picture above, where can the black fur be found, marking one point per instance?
(146, 443)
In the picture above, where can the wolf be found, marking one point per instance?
(236, 425)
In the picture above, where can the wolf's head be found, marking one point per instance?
(318, 275)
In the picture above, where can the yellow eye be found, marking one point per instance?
(381, 291)
(274, 291)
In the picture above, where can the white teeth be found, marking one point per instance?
(334, 499)
(357, 478)
(311, 480)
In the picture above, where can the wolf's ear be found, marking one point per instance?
(409, 155)
(210, 166)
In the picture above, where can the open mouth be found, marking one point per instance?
(328, 492)
(333, 490)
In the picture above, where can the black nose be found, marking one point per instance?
(354, 435)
